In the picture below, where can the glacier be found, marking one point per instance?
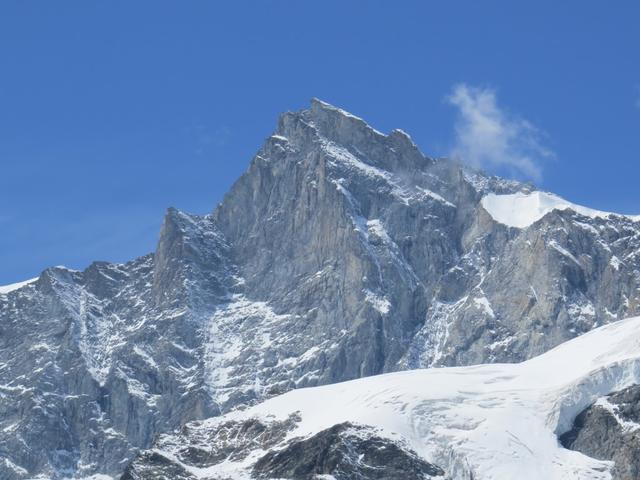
(481, 422)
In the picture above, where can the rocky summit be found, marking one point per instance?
(340, 253)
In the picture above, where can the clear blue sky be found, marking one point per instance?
(110, 112)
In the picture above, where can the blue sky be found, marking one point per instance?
(110, 112)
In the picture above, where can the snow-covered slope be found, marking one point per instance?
(4, 289)
(483, 422)
(522, 209)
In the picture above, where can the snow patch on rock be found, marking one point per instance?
(4, 289)
(521, 210)
(626, 425)
(381, 304)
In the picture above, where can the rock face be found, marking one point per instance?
(610, 430)
(342, 452)
(345, 452)
(95, 363)
(198, 447)
(340, 253)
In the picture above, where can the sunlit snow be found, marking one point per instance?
(523, 209)
(498, 421)
(15, 286)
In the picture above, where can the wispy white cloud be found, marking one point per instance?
(488, 136)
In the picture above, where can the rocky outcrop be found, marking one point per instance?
(341, 253)
(342, 452)
(345, 452)
(610, 430)
(197, 448)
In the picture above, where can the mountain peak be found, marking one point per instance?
(321, 108)
(327, 117)
(326, 123)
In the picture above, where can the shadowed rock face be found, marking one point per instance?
(340, 253)
(345, 452)
(342, 452)
(198, 447)
(610, 430)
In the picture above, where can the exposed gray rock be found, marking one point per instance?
(610, 430)
(197, 447)
(346, 452)
(96, 363)
(340, 253)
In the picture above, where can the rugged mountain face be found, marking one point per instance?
(340, 253)
(610, 430)
(94, 363)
